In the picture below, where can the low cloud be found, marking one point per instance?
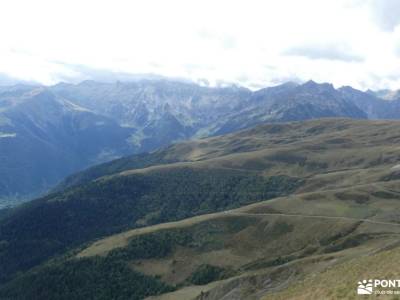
(324, 51)
(6, 80)
(79, 73)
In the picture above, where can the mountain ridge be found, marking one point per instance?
(47, 139)
(145, 115)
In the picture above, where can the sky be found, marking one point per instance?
(253, 43)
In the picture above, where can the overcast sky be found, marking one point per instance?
(249, 42)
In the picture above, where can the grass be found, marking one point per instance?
(271, 242)
(347, 178)
(340, 281)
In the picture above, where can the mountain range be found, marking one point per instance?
(47, 133)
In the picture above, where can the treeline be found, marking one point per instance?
(208, 273)
(137, 161)
(94, 278)
(53, 224)
(111, 277)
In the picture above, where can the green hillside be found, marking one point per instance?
(52, 224)
(211, 255)
(334, 190)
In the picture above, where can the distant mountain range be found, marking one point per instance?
(47, 133)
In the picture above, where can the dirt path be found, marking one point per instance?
(314, 216)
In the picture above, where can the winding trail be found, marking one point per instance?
(315, 217)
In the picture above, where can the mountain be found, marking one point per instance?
(139, 102)
(374, 107)
(169, 221)
(44, 137)
(65, 128)
(291, 102)
(185, 110)
(385, 94)
(161, 111)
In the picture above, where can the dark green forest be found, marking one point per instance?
(61, 221)
(110, 277)
(137, 161)
(94, 278)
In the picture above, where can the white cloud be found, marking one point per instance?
(247, 42)
(328, 51)
(386, 13)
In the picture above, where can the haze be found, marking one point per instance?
(251, 43)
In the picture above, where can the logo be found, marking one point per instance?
(379, 287)
(365, 287)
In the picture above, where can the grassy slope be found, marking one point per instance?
(302, 148)
(55, 223)
(377, 206)
(340, 281)
(267, 238)
(349, 168)
(256, 243)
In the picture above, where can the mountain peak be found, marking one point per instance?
(314, 86)
(348, 88)
(286, 85)
(310, 83)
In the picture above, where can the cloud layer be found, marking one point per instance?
(325, 51)
(254, 42)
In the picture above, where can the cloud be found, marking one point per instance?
(325, 51)
(9, 80)
(226, 41)
(258, 42)
(281, 80)
(386, 13)
(78, 73)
